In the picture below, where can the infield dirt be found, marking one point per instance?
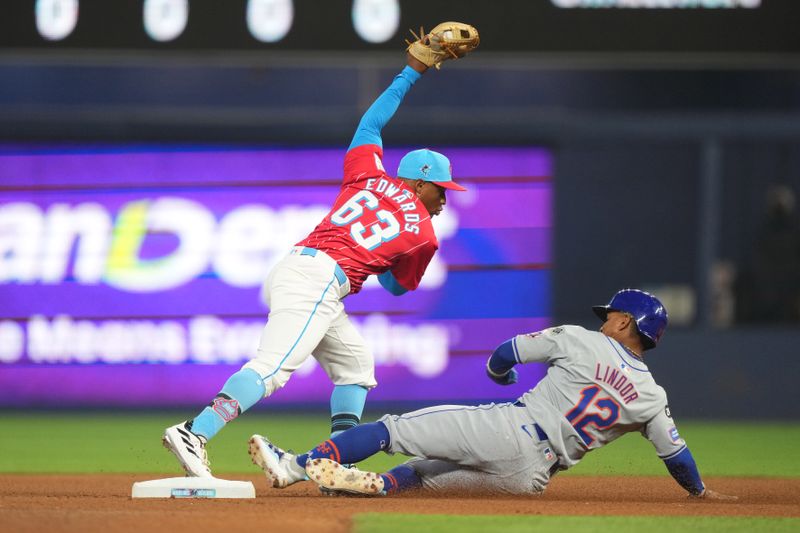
(95, 503)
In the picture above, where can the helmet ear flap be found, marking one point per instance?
(647, 342)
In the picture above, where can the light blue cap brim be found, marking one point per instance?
(428, 165)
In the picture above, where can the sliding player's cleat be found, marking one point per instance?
(334, 478)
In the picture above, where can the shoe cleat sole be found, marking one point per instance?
(333, 477)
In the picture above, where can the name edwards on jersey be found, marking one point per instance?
(398, 195)
(617, 380)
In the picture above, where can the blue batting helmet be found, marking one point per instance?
(647, 311)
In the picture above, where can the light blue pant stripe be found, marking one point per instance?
(304, 329)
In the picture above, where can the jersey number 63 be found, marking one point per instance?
(384, 229)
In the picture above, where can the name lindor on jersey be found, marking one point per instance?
(618, 381)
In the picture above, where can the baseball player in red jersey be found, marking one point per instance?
(378, 225)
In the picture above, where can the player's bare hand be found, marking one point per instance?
(709, 494)
(416, 64)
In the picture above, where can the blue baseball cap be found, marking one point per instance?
(428, 165)
(647, 310)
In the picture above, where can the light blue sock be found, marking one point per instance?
(241, 392)
(347, 406)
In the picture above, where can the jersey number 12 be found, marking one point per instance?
(600, 412)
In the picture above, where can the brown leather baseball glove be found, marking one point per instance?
(448, 40)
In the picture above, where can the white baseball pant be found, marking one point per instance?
(304, 292)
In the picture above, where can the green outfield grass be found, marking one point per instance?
(125, 442)
(401, 523)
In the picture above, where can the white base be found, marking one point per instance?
(193, 487)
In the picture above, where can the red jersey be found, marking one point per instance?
(376, 224)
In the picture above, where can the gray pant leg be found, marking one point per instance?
(479, 446)
(447, 477)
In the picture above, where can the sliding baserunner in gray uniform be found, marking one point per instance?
(597, 388)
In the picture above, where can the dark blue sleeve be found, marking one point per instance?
(683, 468)
(383, 108)
(389, 282)
(504, 358)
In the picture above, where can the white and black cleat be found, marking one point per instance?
(188, 448)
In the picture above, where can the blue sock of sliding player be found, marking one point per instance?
(401, 478)
(241, 392)
(351, 446)
(347, 406)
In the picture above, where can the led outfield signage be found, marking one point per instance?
(124, 269)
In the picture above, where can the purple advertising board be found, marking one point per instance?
(131, 275)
